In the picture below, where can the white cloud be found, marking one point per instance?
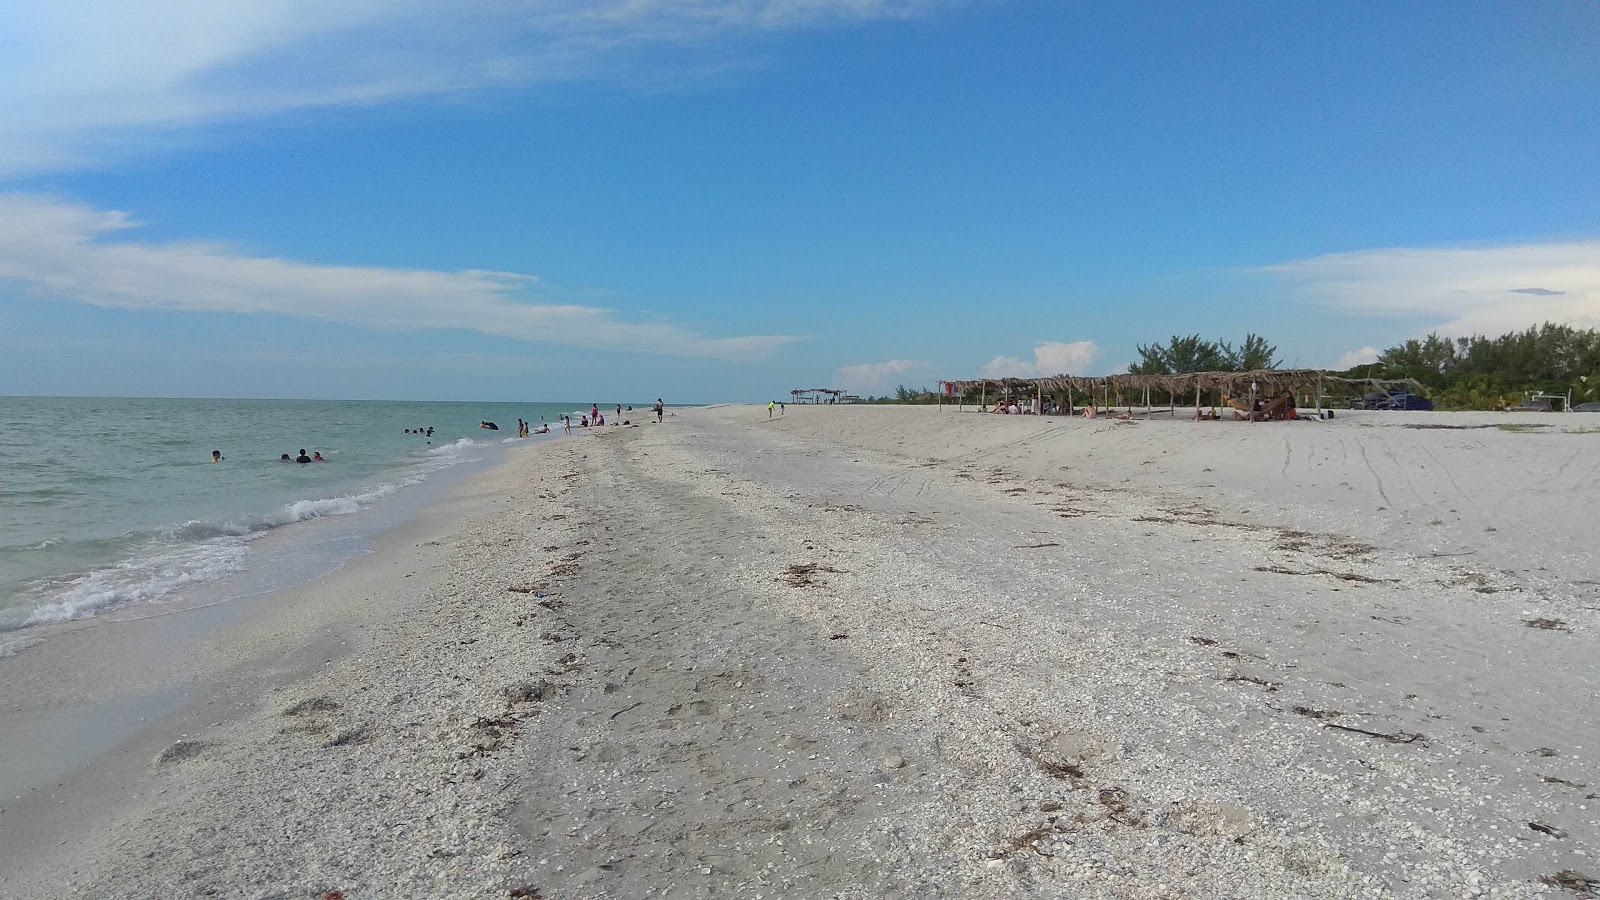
(65, 252)
(77, 77)
(1353, 358)
(880, 378)
(1049, 358)
(1461, 291)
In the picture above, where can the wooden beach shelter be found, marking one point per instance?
(814, 395)
(1310, 384)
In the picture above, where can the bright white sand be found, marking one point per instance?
(1031, 657)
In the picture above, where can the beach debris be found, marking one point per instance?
(1061, 769)
(525, 893)
(801, 574)
(528, 691)
(1546, 751)
(838, 637)
(1574, 881)
(1401, 737)
(489, 735)
(183, 751)
(1317, 713)
(361, 734)
(1037, 546)
(1547, 624)
(893, 761)
(1551, 779)
(1118, 804)
(1032, 839)
(1551, 830)
(333, 895)
(1202, 641)
(1342, 576)
(312, 705)
(1271, 686)
(527, 589)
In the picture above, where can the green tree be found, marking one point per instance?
(1253, 355)
(1182, 354)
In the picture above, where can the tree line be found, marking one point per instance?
(1480, 372)
(1476, 372)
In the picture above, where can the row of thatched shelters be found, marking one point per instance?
(1127, 390)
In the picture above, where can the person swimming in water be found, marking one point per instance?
(302, 458)
(316, 456)
(216, 456)
(285, 458)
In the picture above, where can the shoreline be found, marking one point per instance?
(884, 652)
(191, 674)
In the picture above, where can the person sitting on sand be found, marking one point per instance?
(1089, 412)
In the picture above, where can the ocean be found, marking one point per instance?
(113, 506)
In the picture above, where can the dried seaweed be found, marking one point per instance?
(800, 574)
(1574, 881)
(1401, 737)
(1317, 713)
(1551, 830)
(1256, 680)
(1547, 624)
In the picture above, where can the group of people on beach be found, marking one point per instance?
(596, 418)
(526, 428)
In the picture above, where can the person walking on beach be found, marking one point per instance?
(770, 407)
(594, 412)
(566, 424)
(660, 408)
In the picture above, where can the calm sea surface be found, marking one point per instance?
(107, 503)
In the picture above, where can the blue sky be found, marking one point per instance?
(725, 199)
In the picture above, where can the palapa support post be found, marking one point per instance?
(1319, 395)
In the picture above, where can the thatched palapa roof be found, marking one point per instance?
(1264, 380)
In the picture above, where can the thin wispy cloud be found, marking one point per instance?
(77, 254)
(1049, 358)
(1458, 291)
(80, 80)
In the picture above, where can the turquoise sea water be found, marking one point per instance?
(110, 502)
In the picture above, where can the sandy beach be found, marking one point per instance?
(880, 652)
